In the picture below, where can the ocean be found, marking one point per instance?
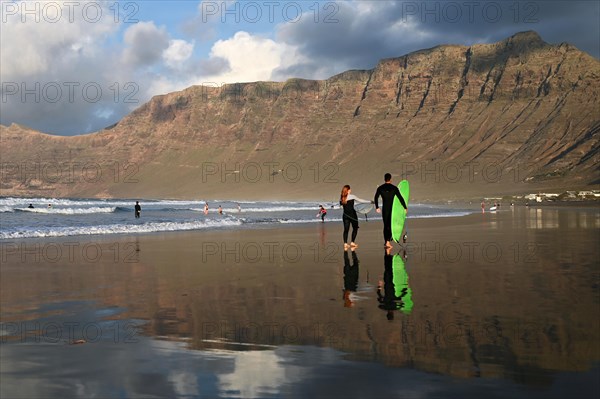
(76, 216)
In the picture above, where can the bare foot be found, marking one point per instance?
(387, 244)
(353, 245)
(346, 246)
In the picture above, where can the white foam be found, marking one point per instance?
(23, 202)
(265, 209)
(69, 211)
(150, 227)
(315, 220)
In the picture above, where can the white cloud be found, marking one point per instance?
(250, 58)
(30, 48)
(178, 52)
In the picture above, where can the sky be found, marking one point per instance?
(75, 67)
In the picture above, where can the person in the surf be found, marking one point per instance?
(30, 206)
(138, 209)
(387, 191)
(350, 217)
(206, 208)
(220, 210)
(322, 213)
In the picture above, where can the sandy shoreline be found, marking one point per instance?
(510, 295)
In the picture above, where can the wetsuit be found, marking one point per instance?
(323, 213)
(350, 217)
(387, 191)
(138, 210)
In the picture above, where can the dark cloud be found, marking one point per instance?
(367, 31)
(145, 44)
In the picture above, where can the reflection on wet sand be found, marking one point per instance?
(522, 317)
(394, 293)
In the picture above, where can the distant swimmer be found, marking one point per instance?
(322, 213)
(138, 209)
(349, 216)
(206, 208)
(220, 210)
(30, 206)
(482, 206)
(49, 206)
(239, 208)
(387, 191)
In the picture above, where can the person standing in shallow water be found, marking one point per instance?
(138, 209)
(350, 217)
(322, 213)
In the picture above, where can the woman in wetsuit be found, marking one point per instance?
(350, 217)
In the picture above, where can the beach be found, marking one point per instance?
(503, 301)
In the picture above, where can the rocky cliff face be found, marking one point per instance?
(458, 122)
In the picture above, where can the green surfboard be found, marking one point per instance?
(398, 213)
(401, 289)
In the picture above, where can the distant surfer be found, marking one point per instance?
(30, 206)
(387, 191)
(350, 217)
(220, 210)
(49, 206)
(206, 208)
(322, 213)
(138, 209)
(239, 208)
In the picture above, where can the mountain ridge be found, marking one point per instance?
(443, 117)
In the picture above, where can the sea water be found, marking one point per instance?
(56, 217)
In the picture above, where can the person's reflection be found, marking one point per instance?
(396, 295)
(350, 277)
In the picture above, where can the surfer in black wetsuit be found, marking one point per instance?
(387, 191)
(350, 217)
(138, 209)
(30, 206)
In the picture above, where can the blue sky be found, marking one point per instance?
(72, 73)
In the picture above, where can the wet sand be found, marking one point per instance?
(503, 302)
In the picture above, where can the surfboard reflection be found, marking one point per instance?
(393, 293)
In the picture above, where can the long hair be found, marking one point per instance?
(344, 195)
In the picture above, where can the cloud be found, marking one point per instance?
(359, 33)
(130, 63)
(145, 44)
(247, 58)
(178, 52)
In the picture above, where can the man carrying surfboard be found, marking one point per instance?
(387, 191)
